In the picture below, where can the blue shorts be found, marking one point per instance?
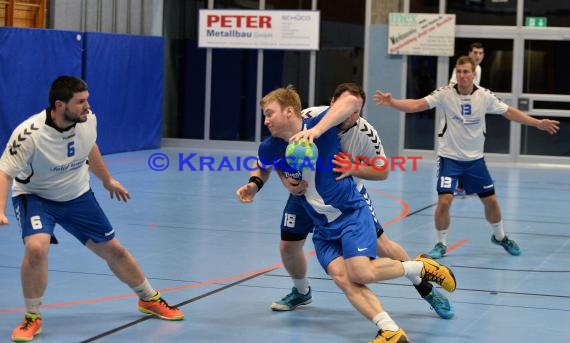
(296, 224)
(350, 235)
(82, 217)
(474, 176)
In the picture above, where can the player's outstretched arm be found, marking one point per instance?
(404, 105)
(339, 111)
(548, 125)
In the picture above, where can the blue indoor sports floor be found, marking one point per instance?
(220, 260)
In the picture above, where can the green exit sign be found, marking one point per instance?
(535, 21)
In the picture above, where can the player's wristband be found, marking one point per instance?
(258, 182)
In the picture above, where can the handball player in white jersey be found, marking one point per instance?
(461, 134)
(48, 159)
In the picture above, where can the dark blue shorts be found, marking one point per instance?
(474, 175)
(350, 235)
(296, 224)
(82, 217)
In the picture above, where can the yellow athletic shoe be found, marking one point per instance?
(438, 273)
(386, 336)
(31, 326)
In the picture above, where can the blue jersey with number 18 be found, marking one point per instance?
(325, 198)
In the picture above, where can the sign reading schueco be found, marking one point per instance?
(251, 29)
(421, 34)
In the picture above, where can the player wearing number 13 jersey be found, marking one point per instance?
(460, 152)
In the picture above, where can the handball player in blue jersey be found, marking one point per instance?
(344, 236)
(358, 138)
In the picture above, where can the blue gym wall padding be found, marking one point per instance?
(125, 76)
(124, 73)
(30, 59)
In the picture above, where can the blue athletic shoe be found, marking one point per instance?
(438, 251)
(510, 246)
(292, 300)
(460, 193)
(440, 304)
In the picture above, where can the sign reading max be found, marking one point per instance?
(259, 29)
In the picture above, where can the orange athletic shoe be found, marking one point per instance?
(160, 308)
(31, 326)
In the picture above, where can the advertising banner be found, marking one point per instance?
(421, 34)
(259, 29)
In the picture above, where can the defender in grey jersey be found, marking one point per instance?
(460, 150)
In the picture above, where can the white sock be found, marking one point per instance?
(384, 322)
(145, 290)
(302, 285)
(416, 280)
(413, 270)
(498, 230)
(33, 304)
(442, 236)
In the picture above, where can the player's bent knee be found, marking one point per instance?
(361, 277)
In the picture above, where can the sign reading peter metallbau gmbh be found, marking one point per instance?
(252, 29)
(421, 34)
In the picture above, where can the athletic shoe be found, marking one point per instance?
(440, 304)
(160, 308)
(386, 336)
(438, 251)
(31, 326)
(460, 193)
(510, 246)
(438, 273)
(292, 300)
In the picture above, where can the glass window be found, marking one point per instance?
(185, 66)
(420, 127)
(424, 6)
(341, 55)
(233, 105)
(537, 142)
(283, 67)
(546, 67)
(497, 134)
(480, 12)
(496, 66)
(288, 4)
(234, 78)
(555, 12)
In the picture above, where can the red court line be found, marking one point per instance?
(405, 206)
(166, 290)
(457, 245)
(403, 214)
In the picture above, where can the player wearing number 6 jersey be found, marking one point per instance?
(48, 158)
(460, 150)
